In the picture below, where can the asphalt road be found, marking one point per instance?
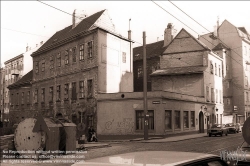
(212, 145)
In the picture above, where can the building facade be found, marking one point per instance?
(75, 64)
(2, 94)
(186, 94)
(236, 47)
(15, 68)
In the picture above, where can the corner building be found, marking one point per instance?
(78, 62)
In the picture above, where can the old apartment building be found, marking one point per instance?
(76, 63)
(1, 94)
(15, 68)
(186, 93)
(233, 43)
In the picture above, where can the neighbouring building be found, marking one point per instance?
(76, 63)
(186, 93)
(2, 94)
(21, 99)
(15, 68)
(233, 43)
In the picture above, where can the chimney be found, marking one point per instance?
(168, 34)
(74, 19)
(41, 43)
(27, 48)
(36, 45)
(215, 31)
(129, 34)
(218, 22)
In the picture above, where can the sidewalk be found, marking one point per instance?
(172, 139)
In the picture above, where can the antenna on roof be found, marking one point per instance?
(129, 24)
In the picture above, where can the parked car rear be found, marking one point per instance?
(233, 127)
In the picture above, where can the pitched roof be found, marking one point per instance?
(68, 32)
(12, 59)
(25, 80)
(243, 29)
(179, 70)
(152, 50)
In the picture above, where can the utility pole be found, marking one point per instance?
(145, 88)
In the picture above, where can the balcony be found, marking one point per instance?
(14, 72)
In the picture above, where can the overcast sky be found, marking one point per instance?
(30, 22)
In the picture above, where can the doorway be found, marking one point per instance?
(201, 122)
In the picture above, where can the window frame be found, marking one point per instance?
(51, 93)
(81, 52)
(168, 116)
(42, 95)
(66, 91)
(58, 93)
(179, 119)
(90, 88)
(186, 126)
(81, 90)
(90, 45)
(74, 54)
(66, 57)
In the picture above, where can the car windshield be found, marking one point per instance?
(230, 125)
(216, 125)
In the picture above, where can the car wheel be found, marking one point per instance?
(221, 134)
(210, 135)
(226, 133)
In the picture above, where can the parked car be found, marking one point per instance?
(157, 158)
(217, 129)
(233, 127)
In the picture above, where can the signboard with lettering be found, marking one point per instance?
(156, 102)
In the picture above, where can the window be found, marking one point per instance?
(35, 96)
(59, 59)
(58, 92)
(36, 67)
(192, 120)
(219, 71)
(140, 120)
(212, 94)
(74, 54)
(66, 60)
(43, 95)
(66, 91)
(215, 68)
(90, 49)
(17, 99)
(22, 100)
(220, 118)
(90, 88)
(51, 94)
(74, 97)
(28, 97)
(81, 52)
(247, 97)
(81, 87)
(51, 62)
(185, 119)
(211, 67)
(177, 120)
(43, 66)
(207, 91)
(168, 119)
(217, 120)
(124, 57)
(246, 81)
(216, 95)
(90, 121)
(228, 101)
(139, 71)
(220, 97)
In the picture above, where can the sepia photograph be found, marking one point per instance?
(117, 83)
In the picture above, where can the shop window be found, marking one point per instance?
(168, 119)
(192, 119)
(177, 120)
(185, 119)
(140, 120)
